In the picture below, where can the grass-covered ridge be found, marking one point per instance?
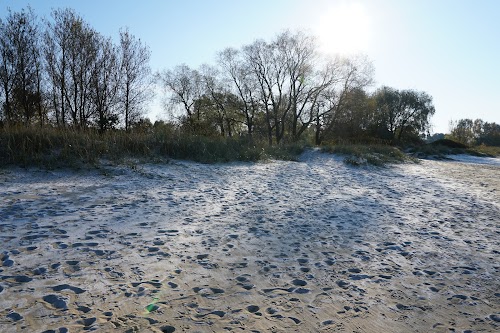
(441, 149)
(372, 154)
(50, 147)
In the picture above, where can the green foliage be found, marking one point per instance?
(403, 115)
(475, 132)
(434, 137)
(378, 155)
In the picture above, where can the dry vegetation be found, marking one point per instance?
(50, 147)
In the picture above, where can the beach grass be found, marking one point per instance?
(369, 154)
(440, 151)
(52, 147)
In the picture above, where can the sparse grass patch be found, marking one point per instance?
(378, 155)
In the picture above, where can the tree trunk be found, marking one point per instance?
(269, 129)
(8, 111)
(317, 133)
(127, 115)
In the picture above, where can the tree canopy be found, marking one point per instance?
(62, 72)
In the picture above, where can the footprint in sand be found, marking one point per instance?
(60, 330)
(208, 291)
(298, 282)
(87, 322)
(244, 282)
(302, 261)
(167, 329)
(271, 311)
(6, 261)
(76, 290)
(83, 309)
(342, 284)
(56, 301)
(17, 278)
(14, 316)
(253, 308)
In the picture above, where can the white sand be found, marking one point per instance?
(309, 246)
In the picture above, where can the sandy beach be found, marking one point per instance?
(308, 246)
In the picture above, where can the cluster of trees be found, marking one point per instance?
(60, 71)
(475, 132)
(63, 71)
(283, 90)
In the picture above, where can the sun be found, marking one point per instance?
(344, 29)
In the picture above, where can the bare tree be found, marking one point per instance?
(243, 87)
(135, 73)
(7, 70)
(289, 83)
(82, 55)
(347, 76)
(223, 102)
(56, 51)
(40, 77)
(18, 47)
(105, 84)
(183, 86)
(269, 78)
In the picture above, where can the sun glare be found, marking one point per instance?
(344, 29)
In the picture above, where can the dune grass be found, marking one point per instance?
(51, 147)
(487, 150)
(439, 151)
(372, 154)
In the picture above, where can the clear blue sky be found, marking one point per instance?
(448, 48)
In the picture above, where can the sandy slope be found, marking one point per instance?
(310, 246)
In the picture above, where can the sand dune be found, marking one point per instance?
(308, 246)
